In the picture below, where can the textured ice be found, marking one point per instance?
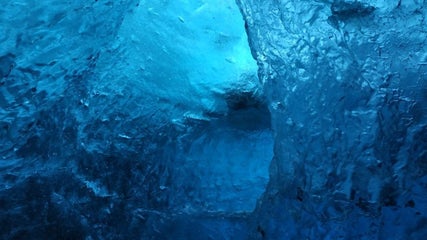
(346, 84)
(129, 120)
(157, 119)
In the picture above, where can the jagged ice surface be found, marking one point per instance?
(152, 120)
(129, 120)
(346, 83)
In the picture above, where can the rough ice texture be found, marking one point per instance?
(129, 120)
(346, 83)
(144, 120)
(47, 52)
(42, 55)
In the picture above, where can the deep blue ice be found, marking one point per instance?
(213, 119)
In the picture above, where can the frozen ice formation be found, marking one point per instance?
(129, 120)
(213, 119)
(346, 84)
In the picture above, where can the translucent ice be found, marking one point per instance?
(135, 119)
(129, 120)
(346, 82)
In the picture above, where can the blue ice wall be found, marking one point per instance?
(129, 120)
(346, 83)
(194, 120)
(187, 66)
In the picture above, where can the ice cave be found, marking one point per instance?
(213, 119)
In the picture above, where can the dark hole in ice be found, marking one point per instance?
(410, 204)
(261, 231)
(300, 194)
(247, 111)
(345, 10)
(7, 62)
(32, 146)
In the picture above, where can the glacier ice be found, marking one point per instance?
(213, 119)
(129, 120)
(346, 83)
